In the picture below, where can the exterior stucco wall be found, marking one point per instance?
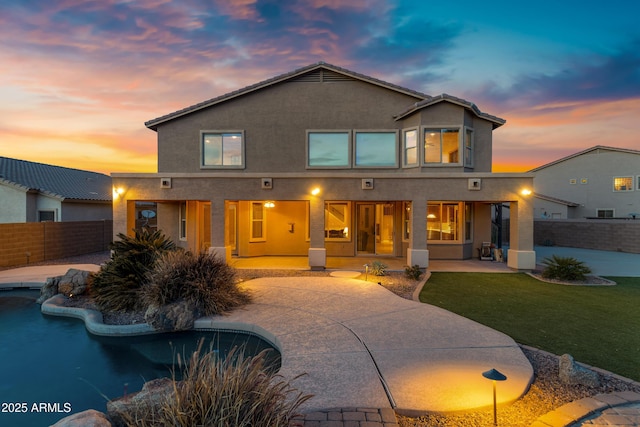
(13, 208)
(275, 121)
(593, 173)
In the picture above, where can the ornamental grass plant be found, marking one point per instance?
(205, 281)
(564, 268)
(237, 391)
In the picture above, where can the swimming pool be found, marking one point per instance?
(51, 367)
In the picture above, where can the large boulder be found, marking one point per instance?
(149, 400)
(49, 289)
(571, 372)
(177, 316)
(74, 282)
(88, 418)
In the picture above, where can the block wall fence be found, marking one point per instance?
(600, 234)
(22, 244)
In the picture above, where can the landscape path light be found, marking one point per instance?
(494, 376)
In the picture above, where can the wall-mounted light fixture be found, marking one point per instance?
(367, 184)
(269, 204)
(526, 192)
(117, 192)
(315, 191)
(267, 183)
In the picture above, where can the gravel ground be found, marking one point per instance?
(546, 393)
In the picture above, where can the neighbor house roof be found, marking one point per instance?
(588, 150)
(55, 181)
(422, 100)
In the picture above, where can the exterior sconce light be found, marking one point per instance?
(526, 192)
(269, 204)
(117, 192)
(494, 376)
(315, 191)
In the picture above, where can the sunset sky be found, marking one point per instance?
(78, 79)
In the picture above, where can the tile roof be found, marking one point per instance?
(55, 181)
(588, 150)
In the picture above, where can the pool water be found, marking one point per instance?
(51, 367)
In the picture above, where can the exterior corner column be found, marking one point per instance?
(317, 251)
(417, 253)
(218, 226)
(521, 255)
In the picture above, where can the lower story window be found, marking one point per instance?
(183, 221)
(337, 220)
(257, 222)
(443, 221)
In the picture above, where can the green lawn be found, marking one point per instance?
(597, 325)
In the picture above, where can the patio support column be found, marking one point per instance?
(317, 251)
(417, 253)
(218, 227)
(521, 255)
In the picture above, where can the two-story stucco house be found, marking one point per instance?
(599, 182)
(37, 192)
(323, 162)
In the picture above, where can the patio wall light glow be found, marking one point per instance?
(117, 192)
(315, 191)
(525, 192)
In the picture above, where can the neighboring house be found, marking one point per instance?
(322, 162)
(600, 182)
(35, 192)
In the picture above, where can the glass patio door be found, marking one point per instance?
(375, 232)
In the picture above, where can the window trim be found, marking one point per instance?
(263, 221)
(440, 128)
(355, 147)
(403, 143)
(632, 187)
(459, 225)
(223, 132)
(347, 221)
(350, 144)
(472, 147)
(407, 214)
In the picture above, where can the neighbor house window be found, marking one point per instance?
(183, 221)
(443, 221)
(605, 213)
(222, 149)
(441, 146)
(337, 221)
(258, 233)
(468, 147)
(376, 149)
(46, 216)
(623, 183)
(329, 149)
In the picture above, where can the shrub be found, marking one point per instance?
(564, 268)
(116, 286)
(237, 391)
(203, 280)
(377, 268)
(413, 272)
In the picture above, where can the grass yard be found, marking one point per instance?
(597, 325)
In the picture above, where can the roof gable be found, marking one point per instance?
(597, 148)
(55, 181)
(318, 72)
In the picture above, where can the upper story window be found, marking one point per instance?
(468, 147)
(623, 183)
(441, 145)
(410, 148)
(376, 149)
(222, 149)
(329, 149)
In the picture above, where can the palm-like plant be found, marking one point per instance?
(564, 268)
(116, 286)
